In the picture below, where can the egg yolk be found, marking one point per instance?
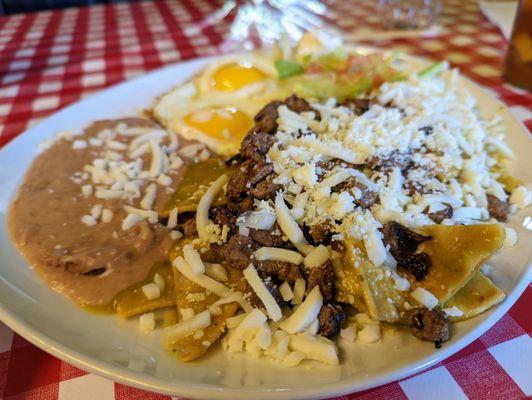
(220, 123)
(235, 76)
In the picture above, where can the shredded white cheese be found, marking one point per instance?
(256, 283)
(510, 239)
(216, 271)
(286, 291)
(286, 221)
(202, 212)
(172, 219)
(193, 259)
(130, 221)
(349, 333)
(293, 358)
(107, 215)
(370, 333)
(318, 256)
(151, 291)
(315, 348)
(453, 311)
(159, 281)
(150, 215)
(149, 197)
(299, 291)
(79, 144)
(175, 235)
(275, 254)
(87, 190)
(96, 211)
(147, 322)
(164, 180)
(521, 197)
(196, 323)
(303, 316)
(88, 220)
(233, 322)
(201, 279)
(251, 323)
(424, 297)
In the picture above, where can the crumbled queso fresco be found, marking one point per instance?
(119, 170)
(434, 149)
(414, 153)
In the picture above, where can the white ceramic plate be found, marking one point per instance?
(113, 348)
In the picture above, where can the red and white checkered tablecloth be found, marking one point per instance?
(51, 59)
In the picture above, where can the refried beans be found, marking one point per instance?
(88, 264)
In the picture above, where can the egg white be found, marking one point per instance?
(199, 93)
(205, 84)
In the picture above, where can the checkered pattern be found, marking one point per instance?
(51, 59)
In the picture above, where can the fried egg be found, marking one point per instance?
(217, 106)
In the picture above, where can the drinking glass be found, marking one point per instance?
(258, 23)
(408, 14)
(518, 61)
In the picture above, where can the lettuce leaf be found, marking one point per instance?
(286, 68)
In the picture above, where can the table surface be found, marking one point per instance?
(51, 59)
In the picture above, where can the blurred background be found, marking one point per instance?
(22, 6)
(487, 39)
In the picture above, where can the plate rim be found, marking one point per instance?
(194, 390)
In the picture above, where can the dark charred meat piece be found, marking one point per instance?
(272, 288)
(439, 216)
(95, 272)
(331, 318)
(430, 325)
(216, 252)
(299, 105)
(321, 232)
(268, 238)
(249, 173)
(358, 106)
(256, 144)
(328, 165)
(265, 189)
(412, 188)
(211, 256)
(498, 209)
(221, 215)
(239, 205)
(281, 270)
(394, 159)
(338, 245)
(189, 227)
(402, 241)
(324, 277)
(266, 119)
(237, 251)
(367, 198)
(417, 264)
(233, 160)
(301, 133)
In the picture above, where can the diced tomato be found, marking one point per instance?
(378, 80)
(314, 68)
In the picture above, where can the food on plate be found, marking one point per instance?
(280, 203)
(68, 216)
(475, 297)
(214, 107)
